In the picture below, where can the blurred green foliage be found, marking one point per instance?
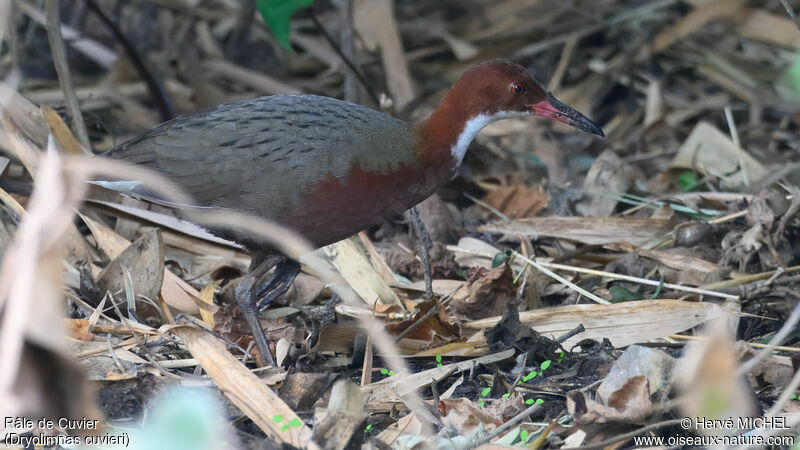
(277, 13)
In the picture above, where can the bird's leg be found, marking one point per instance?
(246, 298)
(279, 282)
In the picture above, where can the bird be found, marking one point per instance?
(323, 167)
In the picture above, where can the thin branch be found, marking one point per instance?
(562, 280)
(59, 53)
(434, 310)
(790, 12)
(514, 421)
(424, 251)
(346, 60)
(166, 108)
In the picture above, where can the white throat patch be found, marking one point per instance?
(476, 124)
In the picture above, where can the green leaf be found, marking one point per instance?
(481, 403)
(486, 392)
(506, 395)
(277, 418)
(276, 14)
(499, 259)
(539, 401)
(688, 181)
(561, 357)
(384, 371)
(545, 364)
(620, 294)
(523, 436)
(529, 401)
(369, 427)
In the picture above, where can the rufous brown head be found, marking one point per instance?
(501, 89)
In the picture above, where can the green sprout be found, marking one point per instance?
(688, 181)
(369, 427)
(438, 360)
(500, 258)
(531, 374)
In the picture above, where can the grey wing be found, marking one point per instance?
(262, 155)
(208, 154)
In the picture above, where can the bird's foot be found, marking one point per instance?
(278, 283)
(247, 297)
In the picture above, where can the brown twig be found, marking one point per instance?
(790, 12)
(573, 332)
(346, 61)
(434, 310)
(514, 421)
(59, 53)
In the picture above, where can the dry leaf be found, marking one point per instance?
(435, 329)
(630, 404)
(207, 296)
(79, 329)
(375, 22)
(622, 323)
(517, 201)
(350, 259)
(486, 293)
(465, 416)
(245, 390)
(609, 175)
(711, 152)
(586, 230)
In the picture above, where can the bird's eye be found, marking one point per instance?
(517, 88)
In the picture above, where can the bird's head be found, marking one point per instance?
(501, 89)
